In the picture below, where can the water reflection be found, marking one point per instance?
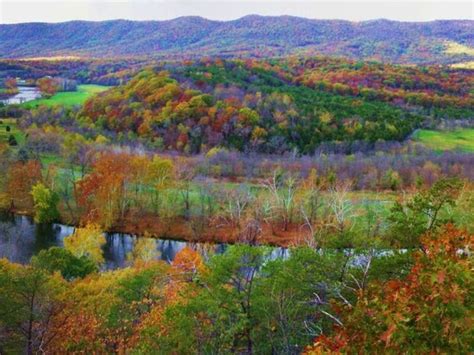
(21, 238)
(25, 93)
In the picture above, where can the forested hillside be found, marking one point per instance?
(280, 105)
(389, 41)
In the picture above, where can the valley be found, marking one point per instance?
(265, 185)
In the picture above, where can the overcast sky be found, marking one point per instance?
(15, 11)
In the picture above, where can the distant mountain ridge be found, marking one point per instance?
(253, 35)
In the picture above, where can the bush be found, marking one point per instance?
(59, 259)
(12, 140)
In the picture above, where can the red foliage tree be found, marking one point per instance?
(431, 311)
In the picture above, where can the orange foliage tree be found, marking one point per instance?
(11, 85)
(178, 291)
(101, 195)
(47, 86)
(21, 178)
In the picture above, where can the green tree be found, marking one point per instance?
(136, 294)
(62, 260)
(219, 316)
(290, 300)
(391, 180)
(29, 299)
(423, 213)
(12, 140)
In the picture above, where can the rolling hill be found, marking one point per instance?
(256, 36)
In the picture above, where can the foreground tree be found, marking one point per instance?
(429, 311)
(29, 298)
(62, 260)
(423, 213)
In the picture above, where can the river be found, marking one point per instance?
(21, 238)
(26, 93)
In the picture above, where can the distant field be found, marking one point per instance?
(51, 59)
(461, 139)
(463, 65)
(69, 98)
(458, 48)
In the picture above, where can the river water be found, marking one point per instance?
(26, 93)
(21, 238)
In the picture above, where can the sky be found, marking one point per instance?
(16, 11)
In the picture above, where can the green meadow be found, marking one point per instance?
(72, 98)
(459, 139)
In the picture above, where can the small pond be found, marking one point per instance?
(26, 93)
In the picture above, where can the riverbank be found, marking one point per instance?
(21, 239)
(194, 230)
(23, 94)
(5, 94)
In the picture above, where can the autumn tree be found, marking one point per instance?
(102, 194)
(86, 242)
(45, 204)
(144, 250)
(11, 85)
(159, 175)
(84, 325)
(135, 294)
(77, 151)
(155, 333)
(21, 178)
(429, 311)
(29, 298)
(47, 86)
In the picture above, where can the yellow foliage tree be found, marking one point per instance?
(144, 250)
(160, 174)
(88, 242)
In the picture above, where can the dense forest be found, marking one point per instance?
(265, 106)
(258, 36)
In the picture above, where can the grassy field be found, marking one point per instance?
(460, 139)
(458, 48)
(69, 98)
(463, 65)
